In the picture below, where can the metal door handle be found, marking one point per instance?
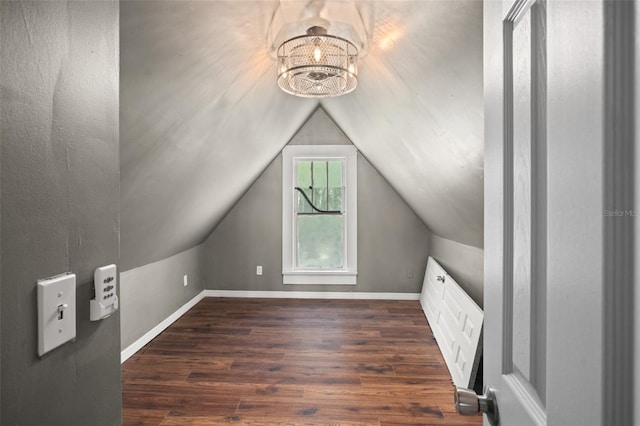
(468, 403)
(440, 278)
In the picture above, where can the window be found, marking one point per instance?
(319, 203)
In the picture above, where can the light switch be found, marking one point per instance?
(56, 311)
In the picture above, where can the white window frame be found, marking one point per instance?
(349, 271)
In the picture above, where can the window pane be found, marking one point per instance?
(304, 174)
(320, 241)
(335, 174)
(304, 183)
(319, 170)
(335, 185)
(321, 181)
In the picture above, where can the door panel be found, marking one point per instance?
(528, 80)
(456, 321)
(521, 82)
(524, 47)
(518, 363)
(432, 290)
(544, 245)
(461, 319)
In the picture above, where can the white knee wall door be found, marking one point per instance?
(456, 321)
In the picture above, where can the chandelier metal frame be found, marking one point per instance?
(317, 65)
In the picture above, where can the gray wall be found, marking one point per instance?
(464, 263)
(637, 229)
(60, 188)
(1, 138)
(197, 95)
(392, 241)
(150, 293)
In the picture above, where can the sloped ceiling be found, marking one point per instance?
(201, 115)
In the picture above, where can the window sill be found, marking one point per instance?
(320, 277)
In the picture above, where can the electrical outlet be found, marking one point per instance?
(185, 281)
(258, 270)
(410, 274)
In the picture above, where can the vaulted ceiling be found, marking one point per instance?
(201, 115)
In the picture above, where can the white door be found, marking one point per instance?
(546, 352)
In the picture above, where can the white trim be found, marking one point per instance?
(155, 331)
(349, 154)
(322, 272)
(527, 396)
(320, 277)
(347, 295)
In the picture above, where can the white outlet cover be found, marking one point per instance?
(185, 281)
(56, 311)
(258, 270)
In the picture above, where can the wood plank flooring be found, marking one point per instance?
(293, 362)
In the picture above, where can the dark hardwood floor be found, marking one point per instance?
(294, 362)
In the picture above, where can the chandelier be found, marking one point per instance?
(317, 65)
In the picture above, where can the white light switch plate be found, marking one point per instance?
(56, 311)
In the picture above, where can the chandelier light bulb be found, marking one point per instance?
(317, 54)
(283, 70)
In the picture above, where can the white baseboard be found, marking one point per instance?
(149, 335)
(352, 295)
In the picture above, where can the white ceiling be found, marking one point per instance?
(202, 116)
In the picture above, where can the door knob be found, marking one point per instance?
(468, 403)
